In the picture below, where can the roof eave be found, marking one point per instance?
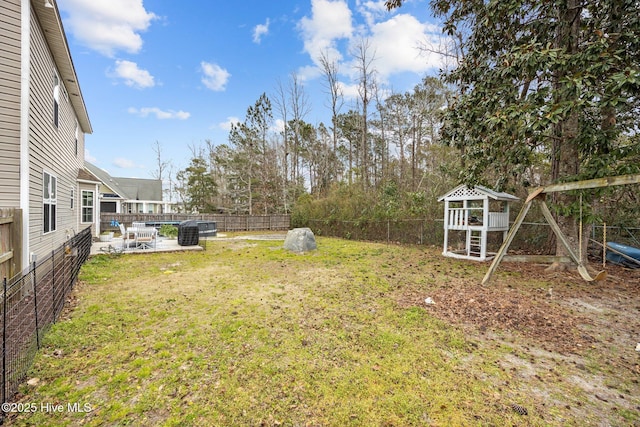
(51, 23)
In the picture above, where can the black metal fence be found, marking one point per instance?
(32, 302)
(532, 237)
(409, 231)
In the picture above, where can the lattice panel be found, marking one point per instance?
(465, 193)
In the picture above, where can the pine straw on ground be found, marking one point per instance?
(564, 315)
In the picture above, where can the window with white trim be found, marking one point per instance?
(49, 201)
(87, 206)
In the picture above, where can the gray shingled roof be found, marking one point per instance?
(129, 188)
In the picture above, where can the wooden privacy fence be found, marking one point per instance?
(10, 242)
(224, 222)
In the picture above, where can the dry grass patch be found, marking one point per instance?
(247, 333)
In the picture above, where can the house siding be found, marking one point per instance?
(51, 148)
(10, 33)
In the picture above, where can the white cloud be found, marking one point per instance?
(88, 157)
(259, 31)
(372, 10)
(160, 114)
(132, 75)
(330, 21)
(123, 163)
(107, 26)
(214, 77)
(349, 91)
(278, 126)
(396, 43)
(227, 124)
(309, 72)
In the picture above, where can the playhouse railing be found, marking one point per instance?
(458, 219)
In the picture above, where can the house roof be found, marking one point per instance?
(128, 188)
(141, 189)
(85, 175)
(51, 23)
(462, 192)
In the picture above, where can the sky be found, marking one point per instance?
(178, 73)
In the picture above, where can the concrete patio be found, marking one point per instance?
(162, 245)
(171, 245)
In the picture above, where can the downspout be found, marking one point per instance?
(25, 53)
(97, 210)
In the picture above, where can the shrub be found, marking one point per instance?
(168, 230)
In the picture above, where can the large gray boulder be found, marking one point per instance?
(300, 240)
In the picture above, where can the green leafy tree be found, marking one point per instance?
(252, 151)
(350, 135)
(559, 77)
(199, 187)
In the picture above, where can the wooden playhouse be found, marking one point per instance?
(475, 211)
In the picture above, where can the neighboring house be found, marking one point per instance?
(43, 121)
(128, 195)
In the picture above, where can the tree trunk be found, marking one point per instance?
(566, 155)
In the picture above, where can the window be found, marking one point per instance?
(56, 98)
(49, 201)
(87, 206)
(73, 197)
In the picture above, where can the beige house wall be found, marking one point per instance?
(52, 148)
(10, 31)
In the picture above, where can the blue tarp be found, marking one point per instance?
(614, 251)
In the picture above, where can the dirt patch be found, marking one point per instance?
(564, 314)
(567, 334)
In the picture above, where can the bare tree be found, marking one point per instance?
(383, 133)
(300, 107)
(160, 172)
(366, 82)
(161, 165)
(336, 100)
(281, 107)
(333, 89)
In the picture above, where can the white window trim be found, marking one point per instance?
(83, 207)
(51, 201)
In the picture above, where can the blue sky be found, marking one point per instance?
(179, 72)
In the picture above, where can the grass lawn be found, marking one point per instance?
(246, 333)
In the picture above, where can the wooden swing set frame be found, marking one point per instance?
(539, 194)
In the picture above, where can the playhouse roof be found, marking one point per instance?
(462, 192)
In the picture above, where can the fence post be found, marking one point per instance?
(4, 341)
(388, 229)
(53, 284)
(35, 303)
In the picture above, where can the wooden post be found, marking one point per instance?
(446, 226)
(505, 245)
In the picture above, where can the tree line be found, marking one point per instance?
(538, 91)
(275, 155)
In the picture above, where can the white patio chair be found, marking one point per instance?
(127, 237)
(146, 238)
